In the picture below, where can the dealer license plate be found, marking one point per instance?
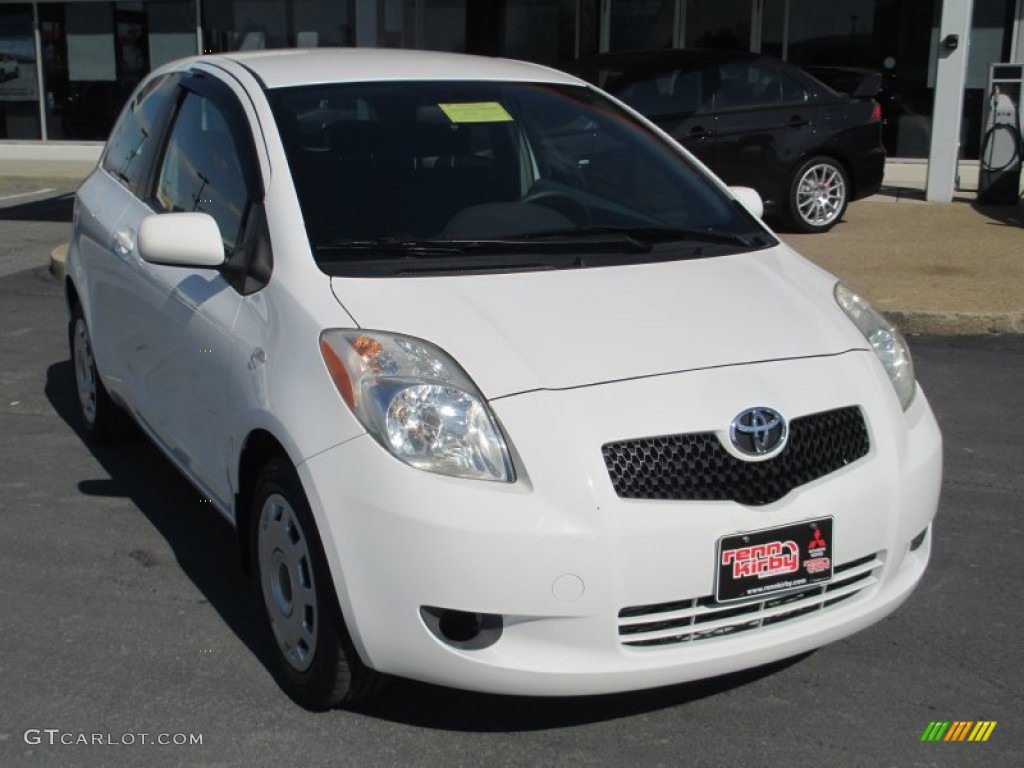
(773, 560)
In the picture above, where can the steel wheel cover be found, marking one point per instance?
(820, 194)
(286, 580)
(85, 372)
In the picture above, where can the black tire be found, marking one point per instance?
(314, 660)
(818, 195)
(102, 418)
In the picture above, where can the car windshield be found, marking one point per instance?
(484, 170)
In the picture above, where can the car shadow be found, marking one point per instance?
(204, 543)
(205, 547)
(429, 706)
(58, 208)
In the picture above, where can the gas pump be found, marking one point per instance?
(1001, 143)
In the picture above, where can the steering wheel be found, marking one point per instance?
(562, 202)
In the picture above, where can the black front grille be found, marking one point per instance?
(696, 467)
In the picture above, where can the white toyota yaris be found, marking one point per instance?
(500, 388)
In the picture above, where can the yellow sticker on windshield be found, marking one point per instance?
(476, 112)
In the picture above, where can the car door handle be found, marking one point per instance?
(698, 133)
(798, 122)
(123, 243)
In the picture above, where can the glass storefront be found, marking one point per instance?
(19, 89)
(66, 67)
(95, 53)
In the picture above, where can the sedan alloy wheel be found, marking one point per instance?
(819, 195)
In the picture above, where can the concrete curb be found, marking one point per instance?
(57, 258)
(922, 323)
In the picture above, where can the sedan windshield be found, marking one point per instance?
(402, 171)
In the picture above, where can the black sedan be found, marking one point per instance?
(756, 122)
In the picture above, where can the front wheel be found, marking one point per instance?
(818, 195)
(315, 661)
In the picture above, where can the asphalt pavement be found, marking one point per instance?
(124, 617)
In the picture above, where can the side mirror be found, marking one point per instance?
(181, 240)
(869, 86)
(749, 199)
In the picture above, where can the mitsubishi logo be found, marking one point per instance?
(758, 431)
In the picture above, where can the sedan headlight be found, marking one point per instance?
(417, 402)
(886, 341)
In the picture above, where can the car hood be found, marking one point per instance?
(523, 331)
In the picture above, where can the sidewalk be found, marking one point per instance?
(935, 268)
(932, 268)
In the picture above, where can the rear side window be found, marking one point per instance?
(201, 170)
(134, 142)
(743, 84)
(792, 91)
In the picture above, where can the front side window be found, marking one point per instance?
(671, 93)
(201, 170)
(489, 165)
(134, 141)
(792, 91)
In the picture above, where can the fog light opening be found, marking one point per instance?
(917, 541)
(465, 630)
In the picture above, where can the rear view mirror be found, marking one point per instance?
(181, 240)
(749, 199)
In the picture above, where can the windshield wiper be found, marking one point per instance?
(389, 245)
(570, 241)
(648, 235)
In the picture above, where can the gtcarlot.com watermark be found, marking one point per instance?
(55, 737)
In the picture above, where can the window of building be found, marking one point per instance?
(19, 100)
(95, 53)
(637, 24)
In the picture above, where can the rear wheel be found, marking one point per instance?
(103, 420)
(818, 195)
(315, 661)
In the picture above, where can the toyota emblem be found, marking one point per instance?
(758, 431)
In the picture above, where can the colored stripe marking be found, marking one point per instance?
(959, 730)
(986, 729)
(935, 730)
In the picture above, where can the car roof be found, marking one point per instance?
(296, 66)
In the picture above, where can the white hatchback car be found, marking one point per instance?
(501, 389)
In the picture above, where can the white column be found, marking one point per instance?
(679, 30)
(199, 27)
(44, 129)
(1017, 47)
(950, 79)
(756, 23)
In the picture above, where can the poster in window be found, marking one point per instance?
(17, 55)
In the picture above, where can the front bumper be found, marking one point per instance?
(558, 555)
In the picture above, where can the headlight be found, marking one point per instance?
(417, 402)
(886, 341)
